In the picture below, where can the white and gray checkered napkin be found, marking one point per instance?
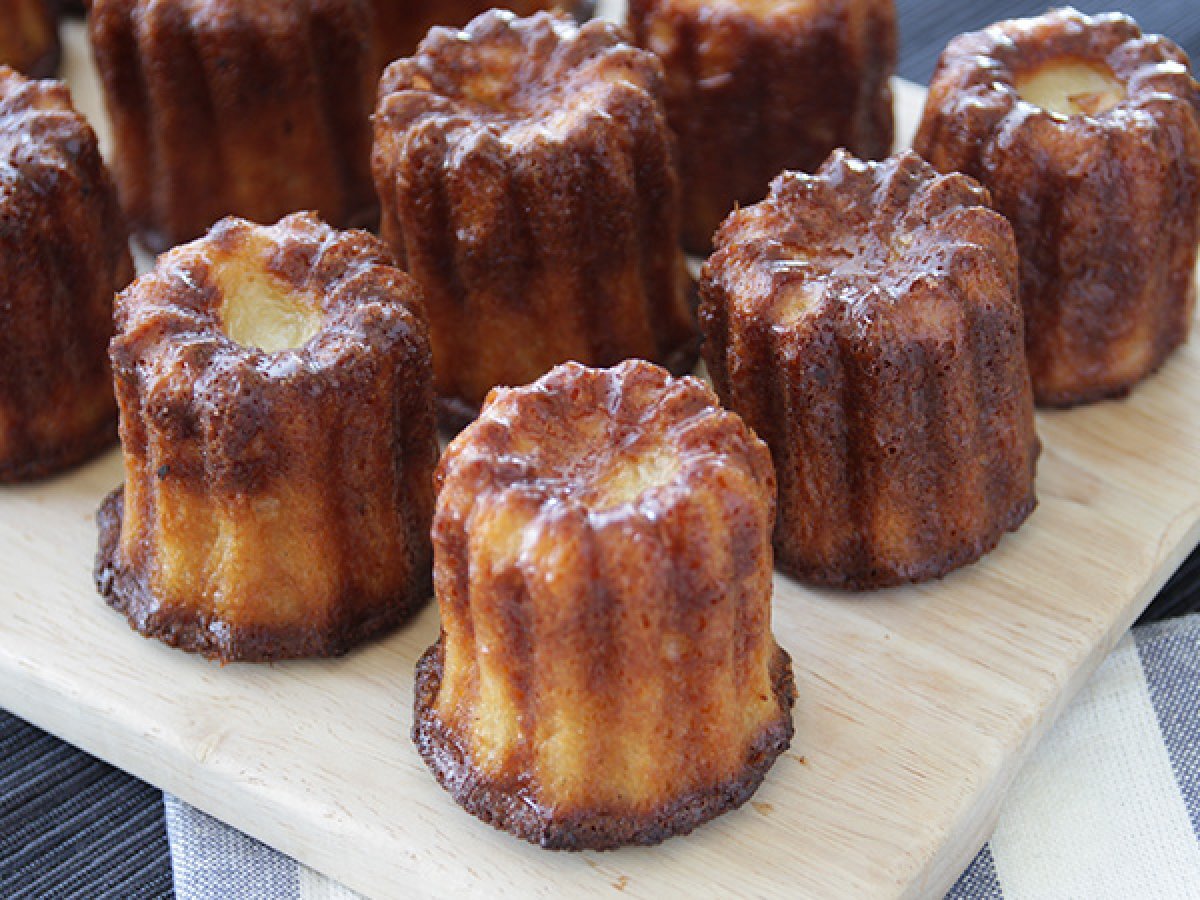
(1108, 808)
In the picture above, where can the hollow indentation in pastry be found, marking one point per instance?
(1071, 87)
(261, 310)
(631, 475)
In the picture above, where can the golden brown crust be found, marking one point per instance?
(197, 631)
(606, 672)
(527, 180)
(864, 321)
(63, 254)
(509, 807)
(227, 107)
(1105, 207)
(283, 494)
(401, 24)
(29, 37)
(753, 89)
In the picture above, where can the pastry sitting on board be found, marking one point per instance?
(606, 672)
(277, 424)
(1087, 134)
(864, 322)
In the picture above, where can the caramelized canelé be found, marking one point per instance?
(755, 87)
(64, 252)
(276, 402)
(1087, 134)
(527, 180)
(864, 322)
(606, 672)
(228, 107)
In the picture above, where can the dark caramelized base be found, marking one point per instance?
(881, 576)
(69, 455)
(508, 808)
(196, 632)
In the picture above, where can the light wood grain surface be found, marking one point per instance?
(916, 706)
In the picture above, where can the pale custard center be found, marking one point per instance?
(260, 310)
(630, 475)
(1071, 88)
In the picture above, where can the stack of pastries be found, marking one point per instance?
(601, 537)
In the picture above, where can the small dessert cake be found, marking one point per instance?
(64, 252)
(864, 322)
(527, 181)
(606, 672)
(754, 87)
(228, 107)
(29, 37)
(276, 401)
(1087, 134)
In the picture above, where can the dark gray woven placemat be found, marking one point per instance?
(72, 826)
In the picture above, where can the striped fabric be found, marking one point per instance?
(71, 826)
(1107, 809)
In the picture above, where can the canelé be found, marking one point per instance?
(232, 107)
(29, 37)
(753, 88)
(864, 321)
(1087, 134)
(527, 181)
(606, 672)
(64, 252)
(277, 422)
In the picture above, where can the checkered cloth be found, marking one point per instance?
(1108, 808)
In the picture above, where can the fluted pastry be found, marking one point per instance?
(277, 423)
(526, 176)
(754, 88)
(29, 37)
(235, 107)
(401, 24)
(1087, 134)
(606, 672)
(864, 322)
(63, 254)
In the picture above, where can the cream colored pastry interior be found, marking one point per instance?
(632, 475)
(1071, 87)
(264, 311)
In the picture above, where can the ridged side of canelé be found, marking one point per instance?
(507, 806)
(63, 254)
(223, 108)
(753, 89)
(275, 504)
(606, 672)
(1106, 208)
(401, 24)
(541, 224)
(891, 383)
(29, 37)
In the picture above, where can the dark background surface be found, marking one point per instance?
(71, 826)
(926, 25)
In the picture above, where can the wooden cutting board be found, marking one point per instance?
(916, 706)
